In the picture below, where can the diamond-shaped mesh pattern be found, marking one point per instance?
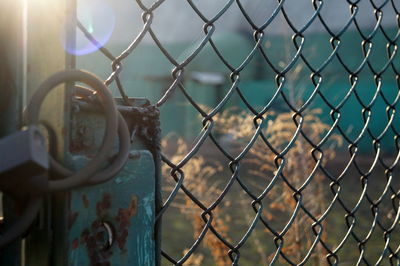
(313, 201)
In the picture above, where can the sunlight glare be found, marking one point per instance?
(98, 18)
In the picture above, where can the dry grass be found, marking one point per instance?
(201, 178)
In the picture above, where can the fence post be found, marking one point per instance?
(30, 52)
(10, 101)
(112, 223)
(46, 23)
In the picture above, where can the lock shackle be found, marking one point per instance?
(111, 115)
(23, 222)
(124, 140)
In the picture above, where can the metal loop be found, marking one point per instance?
(95, 164)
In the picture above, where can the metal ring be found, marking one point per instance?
(94, 165)
(124, 145)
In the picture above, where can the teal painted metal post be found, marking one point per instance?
(111, 223)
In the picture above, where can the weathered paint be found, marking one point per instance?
(123, 206)
(127, 204)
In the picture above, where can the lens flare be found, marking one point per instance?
(98, 18)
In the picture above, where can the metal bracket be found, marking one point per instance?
(112, 223)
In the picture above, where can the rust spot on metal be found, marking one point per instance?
(124, 221)
(72, 218)
(84, 236)
(80, 139)
(96, 224)
(93, 236)
(125, 214)
(85, 201)
(97, 255)
(75, 243)
(103, 205)
(121, 239)
(77, 147)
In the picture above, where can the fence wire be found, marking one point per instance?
(316, 204)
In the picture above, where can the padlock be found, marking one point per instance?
(24, 163)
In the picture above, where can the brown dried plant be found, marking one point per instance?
(279, 130)
(194, 260)
(202, 179)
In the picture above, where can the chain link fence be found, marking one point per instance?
(280, 140)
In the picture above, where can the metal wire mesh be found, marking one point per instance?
(308, 206)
